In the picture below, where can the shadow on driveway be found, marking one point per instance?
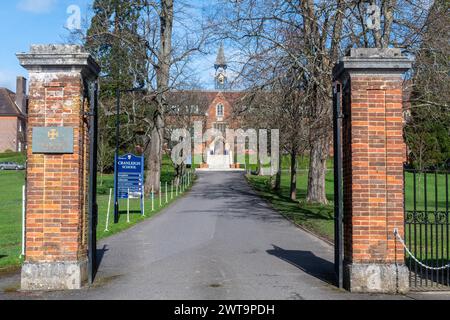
(307, 262)
(100, 254)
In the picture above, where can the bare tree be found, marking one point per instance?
(300, 41)
(162, 66)
(185, 107)
(308, 37)
(155, 34)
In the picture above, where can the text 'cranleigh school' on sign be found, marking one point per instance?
(130, 177)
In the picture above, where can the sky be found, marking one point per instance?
(26, 22)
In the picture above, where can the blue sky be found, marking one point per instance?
(26, 22)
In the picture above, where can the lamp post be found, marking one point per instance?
(116, 155)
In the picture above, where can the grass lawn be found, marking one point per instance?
(13, 157)
(316, 218)
(11, 183)
(320, 219)
(435, 233)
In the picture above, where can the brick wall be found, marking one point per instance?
(212, 114)
(56, 184)
(373, 169)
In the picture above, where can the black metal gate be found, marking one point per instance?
(427, 228)
(338, 186)
(92, 199)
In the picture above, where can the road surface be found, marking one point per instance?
(220, 241)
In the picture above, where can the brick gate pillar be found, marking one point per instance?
(373, 156)
(57, 167)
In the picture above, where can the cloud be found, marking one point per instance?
(36, 6)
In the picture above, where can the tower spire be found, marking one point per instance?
(221, 78)
(220, 60)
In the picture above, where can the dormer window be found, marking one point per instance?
(220, 110)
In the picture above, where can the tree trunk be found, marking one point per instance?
(163, 76)
(260, 170)
(277, 186)
(376, 32)
(293, 189)
(317, 170)
(180, 170)
(388, 11)
(155, 158)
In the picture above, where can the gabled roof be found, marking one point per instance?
(8, 105)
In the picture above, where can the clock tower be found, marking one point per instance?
(221, 78)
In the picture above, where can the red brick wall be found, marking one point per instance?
(373, 169)
(56, 184)
(212, 114)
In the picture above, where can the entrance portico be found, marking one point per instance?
(219, 155)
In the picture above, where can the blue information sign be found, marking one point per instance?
(129, 182)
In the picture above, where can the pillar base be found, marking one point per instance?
(53, 276)
(376, 278)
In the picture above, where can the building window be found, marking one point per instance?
(222, 127)
(220, 110)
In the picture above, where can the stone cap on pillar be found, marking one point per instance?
(59, 58)
(373, 61)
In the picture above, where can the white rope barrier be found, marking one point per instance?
(396, 233)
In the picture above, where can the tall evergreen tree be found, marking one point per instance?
(113, 28)
(428, 127)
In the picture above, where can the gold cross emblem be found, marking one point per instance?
(53, 134)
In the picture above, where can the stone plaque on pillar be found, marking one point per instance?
(57, 167)
(57, 140)
(373, 150)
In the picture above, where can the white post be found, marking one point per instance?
(167, 199)
(109, 208)
(153, 199)
(128, 207)
(176, 189)
(171, 190)
(160, 194)
(143, 201)
(23, 218)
